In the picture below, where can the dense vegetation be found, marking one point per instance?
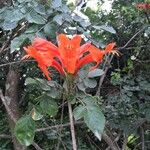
(111, 105)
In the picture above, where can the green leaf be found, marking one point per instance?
(25, 130)
(106, 28)
(147, 114)
(95, 120)
(89, 100)
(30, 81)
(34, 17)
(13, 15)
(50, 30)
(83, 74)
(79, 112)
(32, 29)
(40, 9)
(58, 19)
(56, 3)
(48, 105)
(91, 83)
(17, 42)
(95, 73)
(55, 93)
(81, 86)
(7, 25)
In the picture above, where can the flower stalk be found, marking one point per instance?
(70, 95)
(72, 129)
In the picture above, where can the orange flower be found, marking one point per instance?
(68, 57)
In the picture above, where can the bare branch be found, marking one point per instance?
(16, 62)
(4, 100)
(132, 38)
(142, 138)
(36, 146)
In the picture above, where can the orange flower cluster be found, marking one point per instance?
(68, 57)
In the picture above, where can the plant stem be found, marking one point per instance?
(74, 144)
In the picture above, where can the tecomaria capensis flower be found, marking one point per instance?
(68, 57)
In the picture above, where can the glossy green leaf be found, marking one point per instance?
(40, 9)
(106, 28)
(7, 25)
(95, 120)
(32, 29)
(91, 83)
(83, 74)
(79, 112)
(81, 86)
(34, 17)
(50, 30)
(58, 19)
(25, 130)
(56, 3)
(89, 100)
(48, 105)
(95, 73)
(30, 81)
(17, 42)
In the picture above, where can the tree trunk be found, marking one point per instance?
(11, 98)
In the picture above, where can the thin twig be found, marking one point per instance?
(116, 140)
(12, 36)
(132, 38)
(61, 121)
(91, 141)
(58, 126)
(142, 138)
(125, 141)
(36, 146)
(135, 148)
(108, 140)
(103, 76)
(16, 62)
(74, 144)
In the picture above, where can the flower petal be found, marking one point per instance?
(84, 48)
(109, 47)
(68, 53)
(45, 71)
(45, 46)
(75, 41)
(42, 44)
(58, 67)
(83, 61)
(96, 53)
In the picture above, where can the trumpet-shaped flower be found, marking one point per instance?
(68, 57)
